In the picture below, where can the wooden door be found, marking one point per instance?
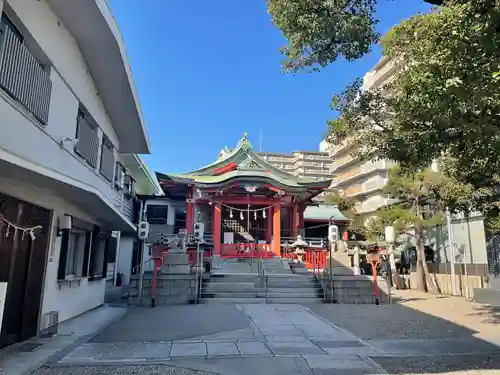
(22, 266)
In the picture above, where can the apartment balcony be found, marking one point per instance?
(362, 170)
(23, 77)
(342, 162)
(333, 150)
(367, 187)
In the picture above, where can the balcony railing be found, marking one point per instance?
(23, 77)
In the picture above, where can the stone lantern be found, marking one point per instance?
(299, 247)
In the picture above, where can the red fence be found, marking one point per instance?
(313, 259)
(250, 250)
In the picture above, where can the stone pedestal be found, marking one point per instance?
(176, 263)
(341, 264)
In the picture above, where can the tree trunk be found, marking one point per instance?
(421, 277)
(424, 277)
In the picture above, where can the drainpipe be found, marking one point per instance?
(117, 256)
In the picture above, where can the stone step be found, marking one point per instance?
(220, 286)
(293, 290)
(308, 294)
(231, 294)
(230, 300)
(298, 300)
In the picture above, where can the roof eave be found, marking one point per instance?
(93, 26)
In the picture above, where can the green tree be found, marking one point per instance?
(318, 32)
(444, 97)
(416, 209)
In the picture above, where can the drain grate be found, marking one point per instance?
(29, 347)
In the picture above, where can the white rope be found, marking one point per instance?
(24, 231)
(247, 209)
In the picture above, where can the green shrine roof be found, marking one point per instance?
(324, 212)
(243, 162)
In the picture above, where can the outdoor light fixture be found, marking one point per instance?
(65, 223)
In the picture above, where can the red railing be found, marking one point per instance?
(312, 258)
(250, 250)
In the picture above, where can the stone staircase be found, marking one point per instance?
(282, 285)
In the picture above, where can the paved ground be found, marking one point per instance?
(267, 339)
(420, 334)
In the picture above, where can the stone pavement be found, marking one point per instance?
(276, 339)
(16, 360)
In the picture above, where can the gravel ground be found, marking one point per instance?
(464, 364)
(414, 316)
(118, 370)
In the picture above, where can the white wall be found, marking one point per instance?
(125, 258)
(69, 302)
(71, 83)
(65, 56)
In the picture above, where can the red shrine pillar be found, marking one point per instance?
(293, 220)
(277, 230)
(190, 210)
(216, 227)
(269, 224)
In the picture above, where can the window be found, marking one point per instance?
(74, 256)
(119, 175)
(5, 20)
(107, 168)
(88, 140)
(157, 214)
(98, 257)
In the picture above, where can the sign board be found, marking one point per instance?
(143, 230)
(199, 230)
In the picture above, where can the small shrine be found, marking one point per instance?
(248, 206)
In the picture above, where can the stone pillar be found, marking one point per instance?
(357, 271)
(176, 260)
(277, 230)
(190, 210)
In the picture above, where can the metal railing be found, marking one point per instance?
(22, 76)
(263, 278)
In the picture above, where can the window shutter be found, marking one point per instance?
(110, 244)
(94, 249)
(63, 255)
(91, 243)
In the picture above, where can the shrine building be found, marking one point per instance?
(242, 199)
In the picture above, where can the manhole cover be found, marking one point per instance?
(29, 347)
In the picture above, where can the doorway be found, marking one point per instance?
(22, 264)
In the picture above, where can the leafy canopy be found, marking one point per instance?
(444, 97)
(318, 32)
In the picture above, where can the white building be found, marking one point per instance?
(145, 183)
(69, 113)
(363, 181)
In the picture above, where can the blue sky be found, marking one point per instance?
(207, 71)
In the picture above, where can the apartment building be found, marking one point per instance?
(309, 164)
(69, 121)
(363, 181)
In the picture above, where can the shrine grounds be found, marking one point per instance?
(418, 334)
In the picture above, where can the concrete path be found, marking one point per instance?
(25, 357)
(276, 339)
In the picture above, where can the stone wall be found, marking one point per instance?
(170, 289)
(353, 289)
